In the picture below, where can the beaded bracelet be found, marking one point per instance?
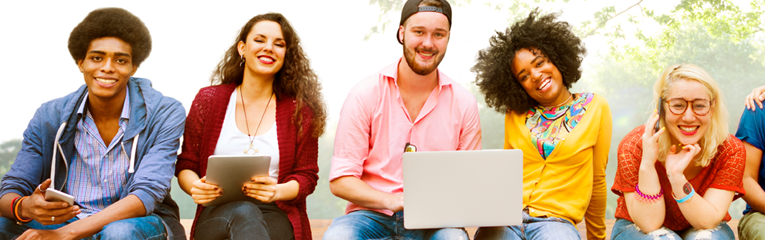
(647, 198)
(686, 198)
(15, 205)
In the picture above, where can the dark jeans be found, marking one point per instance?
(148, 227)
(243, 220)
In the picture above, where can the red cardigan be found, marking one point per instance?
(297, 157)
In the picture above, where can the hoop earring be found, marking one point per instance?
(241, 63)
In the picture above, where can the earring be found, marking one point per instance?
(241, 63)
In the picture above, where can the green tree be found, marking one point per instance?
(8, 151)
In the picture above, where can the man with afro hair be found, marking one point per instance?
(110, 146)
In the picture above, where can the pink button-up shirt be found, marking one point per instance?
(374, 127)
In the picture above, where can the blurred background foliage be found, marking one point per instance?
(721, 36)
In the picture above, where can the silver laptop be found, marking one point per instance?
(463, 188)
(231, 172)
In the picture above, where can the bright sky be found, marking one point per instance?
(190, 38)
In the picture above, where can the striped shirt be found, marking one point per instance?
(98, 175)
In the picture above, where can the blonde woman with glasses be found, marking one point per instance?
(676, 179)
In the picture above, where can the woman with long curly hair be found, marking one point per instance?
(676, 179)
(265, 99)
(526, 73)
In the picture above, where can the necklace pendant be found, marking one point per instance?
(251, 150)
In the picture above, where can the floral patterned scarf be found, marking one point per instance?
(548, 126)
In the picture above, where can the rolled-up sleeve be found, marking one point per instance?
(352, 136)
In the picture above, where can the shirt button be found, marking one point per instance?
(106, 180)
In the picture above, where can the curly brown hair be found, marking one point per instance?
(295, 78)
(553, 38)
(111, 22)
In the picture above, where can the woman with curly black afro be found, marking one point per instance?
(526, 73)
(265, 100)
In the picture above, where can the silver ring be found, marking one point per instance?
(52, 218)
(38, 188)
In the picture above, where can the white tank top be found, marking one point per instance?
(234, 142)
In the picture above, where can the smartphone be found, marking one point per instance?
(53, 195)
(659, 111)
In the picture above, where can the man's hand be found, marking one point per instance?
(44, 212)
(34, 234)
(755, 97)
(394, 202)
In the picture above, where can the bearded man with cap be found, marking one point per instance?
(407, 106)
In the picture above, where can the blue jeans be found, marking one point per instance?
(624, 229)
(365, 224)
(532, 228)
(148, 227)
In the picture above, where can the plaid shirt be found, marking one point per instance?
(99, 173)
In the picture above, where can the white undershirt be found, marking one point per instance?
(234, 142)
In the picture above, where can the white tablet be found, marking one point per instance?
(231, 172)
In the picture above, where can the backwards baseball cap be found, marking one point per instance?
(412, 6)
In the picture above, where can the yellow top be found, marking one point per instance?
(571, 183)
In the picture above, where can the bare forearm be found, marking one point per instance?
(755, 196)
(648, 215)
(358, 192)
(5, 204)
(186, 179)
(287, 191)
(702, 212)
(128, 207)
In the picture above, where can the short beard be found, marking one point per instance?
(419, 70)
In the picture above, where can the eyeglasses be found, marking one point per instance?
(678, 106)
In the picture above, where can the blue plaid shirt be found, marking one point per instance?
(99, 173)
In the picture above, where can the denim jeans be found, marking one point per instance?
(752, 226)
(244, 220)
(365, 224)
(532, 228)
(148, 227)
(624, 229)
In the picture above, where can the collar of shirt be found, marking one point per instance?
(125, 106)
(391, 73)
